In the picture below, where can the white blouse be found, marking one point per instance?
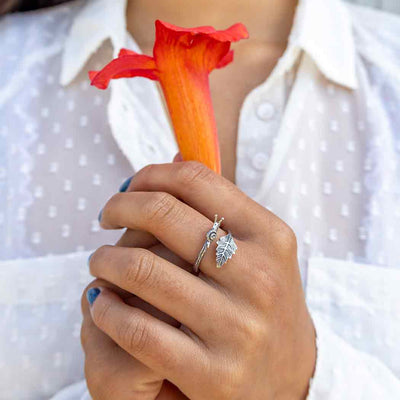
(318, 144)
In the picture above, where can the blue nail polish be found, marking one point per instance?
(125, 185)
(100, 215)
(92, 294)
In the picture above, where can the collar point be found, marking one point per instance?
(67, 75)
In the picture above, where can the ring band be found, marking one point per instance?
(211, 235)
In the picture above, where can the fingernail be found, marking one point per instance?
(88, 260)
(100, 215)
(125, 185)
(92, 294)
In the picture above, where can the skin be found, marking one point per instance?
(245, 331)
(269, 23)
(236, 332)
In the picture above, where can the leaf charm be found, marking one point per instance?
(226, 248)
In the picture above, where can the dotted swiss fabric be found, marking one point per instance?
(318, 149)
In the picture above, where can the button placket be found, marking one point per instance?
(265, 111)
(260, 161)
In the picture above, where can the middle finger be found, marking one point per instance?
(162, 284)
(178, 226)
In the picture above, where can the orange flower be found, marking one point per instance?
(182, 60)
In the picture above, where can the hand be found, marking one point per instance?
(247, 332)
(105, 361)
(125, 377)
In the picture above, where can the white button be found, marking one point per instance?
(265, 111)
(260, 161)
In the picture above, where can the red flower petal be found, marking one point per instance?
(232, 34)
(180, 49)
(183, 59)
(227, 59)
(127, 52)
(129, 65)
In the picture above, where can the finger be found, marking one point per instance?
(178, 226)
(129, 299)
(126, 186)
(100, 282)
(136, 238)
(165, 253)
(104, 360)
(87, 322)
(145, 240)
(167, 287)
(91, 336)
(170, 392)
(164, 349)
(203, 190)
(178, 158)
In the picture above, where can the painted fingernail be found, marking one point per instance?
(100, 215)
(92, 294)
(125, 185)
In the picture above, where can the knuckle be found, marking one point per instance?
(114, 202)
(252, 331)
(144, 176)
(249, 327)
(134, 333)
(161, 207)
(285, 239)
(192, 172)
(147, 170)
(102, 253)
(255, 330)
(140, 271)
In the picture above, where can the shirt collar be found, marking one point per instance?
(95, 22)
(322, 29)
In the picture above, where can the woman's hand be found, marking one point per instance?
(247, 332)
(125, 377)
(104, 361)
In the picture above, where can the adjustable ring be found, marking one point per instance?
(210, 237)
(226, 246)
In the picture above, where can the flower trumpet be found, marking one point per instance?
(182, 61)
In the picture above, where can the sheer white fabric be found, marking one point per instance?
(386, 5)
(318, 144)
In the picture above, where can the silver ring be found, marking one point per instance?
(210, 237)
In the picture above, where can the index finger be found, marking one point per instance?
(205, 191)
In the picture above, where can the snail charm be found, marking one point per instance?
(210, 237)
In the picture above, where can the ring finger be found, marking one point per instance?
(178, 226)
(162, 284)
